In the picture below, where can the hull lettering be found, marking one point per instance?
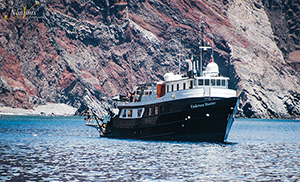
(194, 106)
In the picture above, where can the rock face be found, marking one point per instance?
(284, 17)
(81, 52)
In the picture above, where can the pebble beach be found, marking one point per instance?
(50, 109)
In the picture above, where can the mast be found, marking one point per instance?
(203, 47)
(201, 44)
(179, 65)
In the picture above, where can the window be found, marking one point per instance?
(124, 113)
(167, 88)
(132, 113)
(177, 86)
(218, 82)
(156, 110)
(184, 86)
(200, 82)
(169, 108)
(162, 108)
(191, 84)
(129, 113)
(206, 82)
(223, 82)
(213, 82)
(172, 88)
(149, 111)
(140, 113)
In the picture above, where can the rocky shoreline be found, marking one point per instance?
(50, 109)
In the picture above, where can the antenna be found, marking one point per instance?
(203, 46)
(179, 61)
(201, 27)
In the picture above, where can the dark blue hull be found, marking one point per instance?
(195, 119)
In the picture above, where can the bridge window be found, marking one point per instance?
(223, 82)
(206, 82)
(218, 82)
(213, 82)
(200, 82)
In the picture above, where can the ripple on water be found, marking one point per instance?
(139, 160)
(65, 154)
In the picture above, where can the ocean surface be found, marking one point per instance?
(64, 149)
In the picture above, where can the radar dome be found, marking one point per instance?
(212, 69)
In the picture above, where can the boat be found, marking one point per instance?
(195, 106)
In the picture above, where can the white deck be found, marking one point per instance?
(183, 89)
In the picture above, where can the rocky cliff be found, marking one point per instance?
(82, 52)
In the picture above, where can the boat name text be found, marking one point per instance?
(194, 106)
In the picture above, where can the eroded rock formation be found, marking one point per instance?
(72, 51)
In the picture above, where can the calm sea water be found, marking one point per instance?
(64, 149)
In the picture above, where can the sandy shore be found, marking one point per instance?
(50, 109)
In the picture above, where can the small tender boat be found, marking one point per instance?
(197, 106)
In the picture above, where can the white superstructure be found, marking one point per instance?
(179, 87)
